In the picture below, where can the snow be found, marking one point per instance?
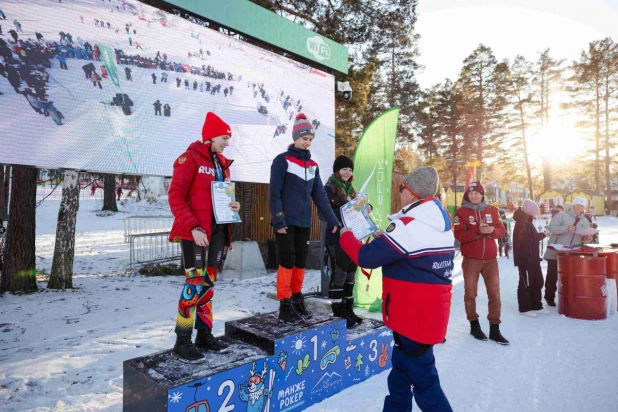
(96, 136)
(64, 350)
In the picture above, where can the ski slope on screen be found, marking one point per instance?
(97, 136)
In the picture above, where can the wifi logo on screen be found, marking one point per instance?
(318, 48)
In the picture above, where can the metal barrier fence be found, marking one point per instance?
(138, 225)
(152, 248)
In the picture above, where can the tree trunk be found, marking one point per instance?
(597, 147)
(19, 267)
(608, 183)
(64, 251)
(5, 180)
(109, 193)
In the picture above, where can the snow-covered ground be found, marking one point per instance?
(64, 350)
(99, 137)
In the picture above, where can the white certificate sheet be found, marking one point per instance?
(354, 216)
(222, 194)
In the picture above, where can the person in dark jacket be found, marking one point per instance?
(195, 227)
(294, 180)
(167, 110)
(340, 191)
(416, 254)
(157, 107)
(527, 258)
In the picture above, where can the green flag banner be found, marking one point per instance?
(373, 175)
(109, 58)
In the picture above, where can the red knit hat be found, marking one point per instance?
(214, 127)
(476, 187)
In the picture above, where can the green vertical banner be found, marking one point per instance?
(373, 175)
(109, 58)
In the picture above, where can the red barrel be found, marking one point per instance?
(582, 293)
(611, 264)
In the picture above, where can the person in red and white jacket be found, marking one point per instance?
(477, 226)
(195, 227)
(416, 255)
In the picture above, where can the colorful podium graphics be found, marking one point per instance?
(270, 366)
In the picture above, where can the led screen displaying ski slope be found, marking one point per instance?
(119, 86)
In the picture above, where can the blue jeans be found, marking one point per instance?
(414, 373)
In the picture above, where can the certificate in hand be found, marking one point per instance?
(354, 216)
(222, 194)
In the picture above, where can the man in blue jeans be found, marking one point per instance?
(416, 255)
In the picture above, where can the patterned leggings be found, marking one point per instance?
(199, 287)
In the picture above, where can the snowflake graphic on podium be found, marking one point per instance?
(175, 398)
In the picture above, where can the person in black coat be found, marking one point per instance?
(339, 190)
(157, 106)
(527, 258)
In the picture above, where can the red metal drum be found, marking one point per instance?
(582, 293)
(611, 264)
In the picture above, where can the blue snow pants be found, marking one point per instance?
(414, 373)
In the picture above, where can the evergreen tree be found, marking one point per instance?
(521, 104)
(548, 73)
(484, 101)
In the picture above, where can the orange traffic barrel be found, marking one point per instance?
(582, 293)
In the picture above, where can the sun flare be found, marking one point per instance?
(560, 141)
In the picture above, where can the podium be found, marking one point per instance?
(269, 366)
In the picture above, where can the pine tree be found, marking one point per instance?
(484, 102)
(548, 73)
(521, 103)
(64, 251)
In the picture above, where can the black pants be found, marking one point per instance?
(194, 256)
(551, 280)
(64, 66)
(158, 112)
(292, 247)
(343, 273)
(529, 288)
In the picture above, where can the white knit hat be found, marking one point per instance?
(580, 201)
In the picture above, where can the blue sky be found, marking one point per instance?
(451, 29)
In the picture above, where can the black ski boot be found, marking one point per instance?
(496, 336)
(340, 311)
(287, 312)
(348, 290)
(476, 331)
(206, 341)
(298, 301)
(184, 349)
(349, 305)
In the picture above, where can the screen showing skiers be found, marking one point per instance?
(119, 86)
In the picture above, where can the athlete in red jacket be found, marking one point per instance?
(194, 226)
(477, 226)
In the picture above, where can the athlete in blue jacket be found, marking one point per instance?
(294, 181)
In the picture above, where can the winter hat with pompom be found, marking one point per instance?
(302, 127)
(529, 207)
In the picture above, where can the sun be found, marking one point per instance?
(299, 344)
(560, 141)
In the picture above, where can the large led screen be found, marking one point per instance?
(122, 87)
